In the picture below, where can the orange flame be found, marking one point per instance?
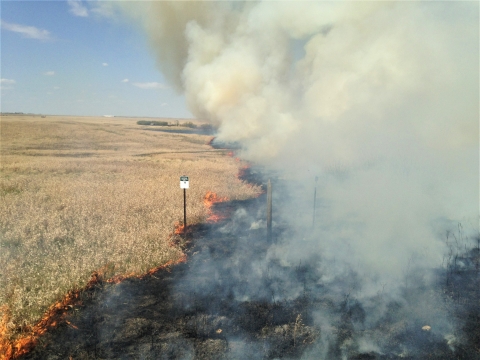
(12, 349)
(56, 313)
(179, 228)
(209, 200)
(5, 346)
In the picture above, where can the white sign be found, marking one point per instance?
(183, 182)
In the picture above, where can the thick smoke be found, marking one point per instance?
(379, 100)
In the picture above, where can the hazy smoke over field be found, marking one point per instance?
(377, 99)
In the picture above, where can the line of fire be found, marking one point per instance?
(230, 297)
(31, 343)
(224, 300)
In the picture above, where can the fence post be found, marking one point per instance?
(269, 211)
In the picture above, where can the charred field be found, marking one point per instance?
(233, 299)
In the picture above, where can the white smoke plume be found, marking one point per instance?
(373, 104)
(266, 71)
(378, 99)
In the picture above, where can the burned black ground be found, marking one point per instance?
(221, 305)
(166, 315)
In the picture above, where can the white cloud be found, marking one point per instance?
(5, 84)
(125, 80)
(150, 85)
(77, 8)
(7, 81)
(56, 87)
(27, 31)
(105, 64)
(49, 73)
(103, 8)
(163, 104)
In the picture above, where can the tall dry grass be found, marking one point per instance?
(77, 194)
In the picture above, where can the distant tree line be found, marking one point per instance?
(188, 124)
(153, 123)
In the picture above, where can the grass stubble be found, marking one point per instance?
(81, 193)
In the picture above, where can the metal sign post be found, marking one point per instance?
(314, 202)
(269, 211)
(184, 184)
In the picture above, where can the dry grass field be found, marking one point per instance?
(79, 193)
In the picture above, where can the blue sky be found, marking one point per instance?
(63, 58)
